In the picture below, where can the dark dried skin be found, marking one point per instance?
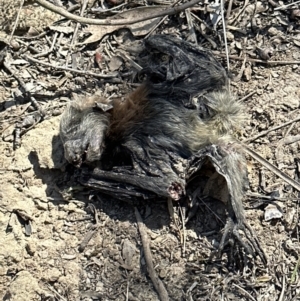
(155, 141)
(182, 68)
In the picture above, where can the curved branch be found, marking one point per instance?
(66, 14)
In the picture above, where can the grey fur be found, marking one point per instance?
(82, 131)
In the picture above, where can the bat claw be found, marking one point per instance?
(250, 245)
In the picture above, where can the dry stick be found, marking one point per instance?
(294, 274)
(291, 139)
(244, 291)
(236, 29)
(240, 74)
(286, 6)
(211, 211)
(274, 63)
(228, 10)
(158, 284)
(23, 85)
(272, 168)
(66, 14)
(247, 96)
(50, 49)
(83, 7)
(266, 197)
(53, 290)
(271, 129)
(183, 218)
(156, 26)
(16, 22)
(240, 12)
(213, 44)
(30, 58)
(282, 294)
(160, 22)
(273, 3)
(225, 36)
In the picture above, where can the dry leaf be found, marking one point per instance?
(115, 63)
(137, 29)
(272, 212)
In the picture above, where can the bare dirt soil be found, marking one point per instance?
(45, 219)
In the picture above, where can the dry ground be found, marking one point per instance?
(43, 219)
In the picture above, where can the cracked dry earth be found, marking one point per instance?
(44, 217)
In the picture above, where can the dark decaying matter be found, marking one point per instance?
(163, 135)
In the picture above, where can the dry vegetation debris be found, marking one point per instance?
(45, 58)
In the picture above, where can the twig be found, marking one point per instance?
(26, 91)
(192, 287)
(156, 26)
(291, 139)
(274, 63)
(272, 168)
(66, 14)
(295, 271)
(211, 211)
(50, 49)
(244, 291)
(84, 5)
(183, 217)
(17, 21)
(273, 3)
(240, 12)
(228, 10)
(247, 96)
(53, 290)
(286, 5)
(236, 29)
(282, 294)
(15, 169)
(160, 22)
(225, 36)
(270, 130)
(42, 34)
(127, 291)
(30, 58)
(267, 197)
(211, 41)
(158, 284)
(128, 59)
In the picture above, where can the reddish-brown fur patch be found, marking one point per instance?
(127, 112)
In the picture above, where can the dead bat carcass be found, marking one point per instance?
(158, 138)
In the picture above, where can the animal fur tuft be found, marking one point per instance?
(82, 130)
(223, 121)
(226, 112)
